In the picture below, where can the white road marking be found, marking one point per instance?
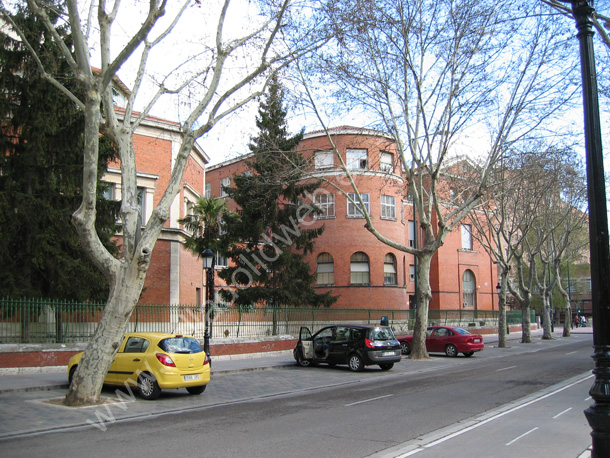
(368, 400)
(522, 436)
(505, 368)
(396, 453)
(561, 413)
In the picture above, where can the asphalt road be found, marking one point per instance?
(441, 407)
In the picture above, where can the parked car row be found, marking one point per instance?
(152, 362)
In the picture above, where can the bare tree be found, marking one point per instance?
(431, 73)
(501, 221)
(225, 72)
(560, 222)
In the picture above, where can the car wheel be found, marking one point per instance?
(196, 389)
(451, 350)
(468, 354)
(303, 362)
(71, 374)
(355, 363)
(148, 386)
(405, 348)
(386, 366)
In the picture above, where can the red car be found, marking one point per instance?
(446, 339)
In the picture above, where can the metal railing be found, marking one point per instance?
(54, 321)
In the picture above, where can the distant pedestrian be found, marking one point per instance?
(583, 321)
(576, 321)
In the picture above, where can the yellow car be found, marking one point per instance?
(155, 361)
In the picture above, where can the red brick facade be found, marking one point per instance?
(373, 160)
(175, 275)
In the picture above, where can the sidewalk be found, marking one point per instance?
(16, 390)
(54, 380)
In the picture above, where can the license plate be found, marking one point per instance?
(477, 340)
(388, 353)
(191, 377)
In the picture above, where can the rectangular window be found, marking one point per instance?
(221, 261)
(326, 203)
(324, 160)
(388, 207)
(224, 184)
(208, 190)
(142, 204)
(466, 237)
(108, 191)
(411, 234)
(356, 159)
(386, 162)
(412, 273)
(355, 210)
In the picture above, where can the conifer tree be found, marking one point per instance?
(41, 177)
(268, 263)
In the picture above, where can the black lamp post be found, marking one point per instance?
(208, 264)
(597, 414)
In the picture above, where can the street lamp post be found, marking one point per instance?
(598, 414)
(208, 265)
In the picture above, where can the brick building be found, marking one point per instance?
(349, 260)
(175, 275)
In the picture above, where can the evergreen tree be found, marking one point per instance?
(268, 259)
(41, 177)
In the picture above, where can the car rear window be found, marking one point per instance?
(180, 345)
(461, 331)
(381, 334)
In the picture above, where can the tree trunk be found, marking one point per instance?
(546, 322)
(99, 354)
(424, 295)
(526, 324)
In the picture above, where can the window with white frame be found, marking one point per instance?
(388, 207)
(324, 160)
(386, 162)
(468, 289)
(354, 209)
(466, 237)
(325, 269)
(357, 159)
(208, 190)
(326, 203)
(221, 261)
(411, 234)
(359, 269)
(224, 184)
(108, 191)
(142, 204)
(389, 270)
(412, 272)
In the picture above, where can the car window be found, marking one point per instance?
(327, 332)
(180, 345)
(343, 333)
(429, 332)
(381, 334)
(441, 332)
(461, 331)
(136, 345)
(356, 334)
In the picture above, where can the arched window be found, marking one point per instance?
(468, 289)
(389, 269)
(326, 270)
(359, 269)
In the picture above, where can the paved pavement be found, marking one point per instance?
(31, 412)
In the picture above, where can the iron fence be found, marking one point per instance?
(55, 321)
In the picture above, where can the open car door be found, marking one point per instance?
(306, 342)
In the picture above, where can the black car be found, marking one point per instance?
(355, 345)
